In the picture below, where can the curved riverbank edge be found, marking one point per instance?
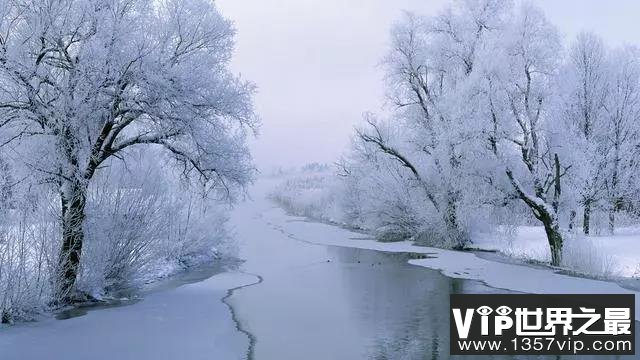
(187, 322)
(451, 263)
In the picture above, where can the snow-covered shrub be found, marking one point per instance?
(28, 250)
(318, 192)
(311, 193)
(124, 224)
(142, 224)
(388, 206)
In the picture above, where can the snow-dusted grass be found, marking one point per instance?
(601, 256)
(624, 248)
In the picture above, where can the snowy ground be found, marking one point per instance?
(189, 322)
(610, 256)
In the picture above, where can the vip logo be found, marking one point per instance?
(529, 322)
(502, 321)
(552, 324)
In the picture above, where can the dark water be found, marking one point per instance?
(356, 304)
(406, 305)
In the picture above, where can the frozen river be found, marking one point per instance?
(330, 302)
(291, 299)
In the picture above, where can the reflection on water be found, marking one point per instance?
(403, 309)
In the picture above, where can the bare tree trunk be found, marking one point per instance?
(548, 215)
(586, 217)
(73, 213)
(550, 221)
(614, 184)
(572, 220)
(554, 237)
(451, 222)
(612, 220)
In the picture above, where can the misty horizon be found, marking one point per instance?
(317, 64)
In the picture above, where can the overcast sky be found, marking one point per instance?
(315, 63)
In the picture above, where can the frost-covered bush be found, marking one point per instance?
(389, 206)
(312, 193)
(27, 257)
(142, 224)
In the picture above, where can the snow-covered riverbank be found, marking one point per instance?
(456, 264)
(318, 194)
(189, 322)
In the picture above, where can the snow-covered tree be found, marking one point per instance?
(521, 67)
(85, 81)
(623, 132)
(430, 63)
(583, 92)
(599, 91)
(485, 97)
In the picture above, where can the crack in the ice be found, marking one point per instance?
(234, 317)
(292, 236)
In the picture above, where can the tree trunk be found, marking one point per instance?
(612, 220)
(614, 185)
(543, 213)
(451, 223)
(554, 237)
(572, 220)
(586, 218)
(73, 213)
